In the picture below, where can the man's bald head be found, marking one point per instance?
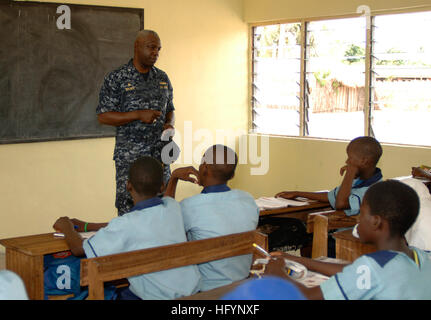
(142, 34)
(147, 48)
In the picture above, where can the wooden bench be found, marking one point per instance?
(96, 271)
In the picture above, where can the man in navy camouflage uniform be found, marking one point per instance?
(137, 99)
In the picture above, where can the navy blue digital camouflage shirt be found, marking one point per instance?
(126, 89)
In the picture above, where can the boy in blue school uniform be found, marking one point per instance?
(216, 211)
(152, 222)
(360, 172)
(395, 271)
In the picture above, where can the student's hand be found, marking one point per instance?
(350, 169)
(148, 116)
(62, 224)
(276, 254)
(419, 172)
(287, 194)
(275, 267)
(187, 174)
(79, 223)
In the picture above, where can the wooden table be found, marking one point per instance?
(348, 247)
(24, 256)
(299, 212)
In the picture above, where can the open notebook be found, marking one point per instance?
(265, 203)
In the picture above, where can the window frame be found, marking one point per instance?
(368, 115)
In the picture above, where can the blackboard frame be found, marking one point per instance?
(82, 135)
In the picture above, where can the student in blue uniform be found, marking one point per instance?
(394, 271)
(360, 172)
(152, 222)
(216, 211)
(11, 286)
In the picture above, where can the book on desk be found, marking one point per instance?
(268, 203)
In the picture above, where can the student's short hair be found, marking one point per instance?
(221, 160)
(146, 176)
(394, 201)
(367, 147)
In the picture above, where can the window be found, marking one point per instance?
(276, 78)
(401, 78)
(336, 79)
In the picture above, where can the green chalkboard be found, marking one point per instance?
(50, 76)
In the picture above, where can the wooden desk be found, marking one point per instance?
(24, 256)
(300, 212)
(349, 248)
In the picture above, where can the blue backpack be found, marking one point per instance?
(62, 277)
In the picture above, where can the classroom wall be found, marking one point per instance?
(258, 11)
(205, 55)
(312, 164)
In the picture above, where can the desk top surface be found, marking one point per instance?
(39, 244)
(313, 205)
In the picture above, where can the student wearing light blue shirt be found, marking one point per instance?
(360, 172)
(395, 271)
(217, 211)
(11, 286)
(151, 223)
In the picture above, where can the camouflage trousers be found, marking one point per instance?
(123, 199)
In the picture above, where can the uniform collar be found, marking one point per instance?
(132, 68)
(152, 202)
(216, 188)
(366, 183)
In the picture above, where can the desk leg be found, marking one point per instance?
(30, 269)
(351, 250)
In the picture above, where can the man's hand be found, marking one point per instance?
(287, 194)
(148, 116)
(62, 224)
(186, 174)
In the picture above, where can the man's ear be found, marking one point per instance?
(162, 188)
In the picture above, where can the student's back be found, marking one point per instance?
(219, 213)
(153, 224)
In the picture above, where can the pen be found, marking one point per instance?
(262, 250)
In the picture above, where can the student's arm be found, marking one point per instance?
(181, 174)
(327, 268)
(73, 239)
(342, 199)
(114, 118)
(90, 225)
(319, 196)
(275, 268)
